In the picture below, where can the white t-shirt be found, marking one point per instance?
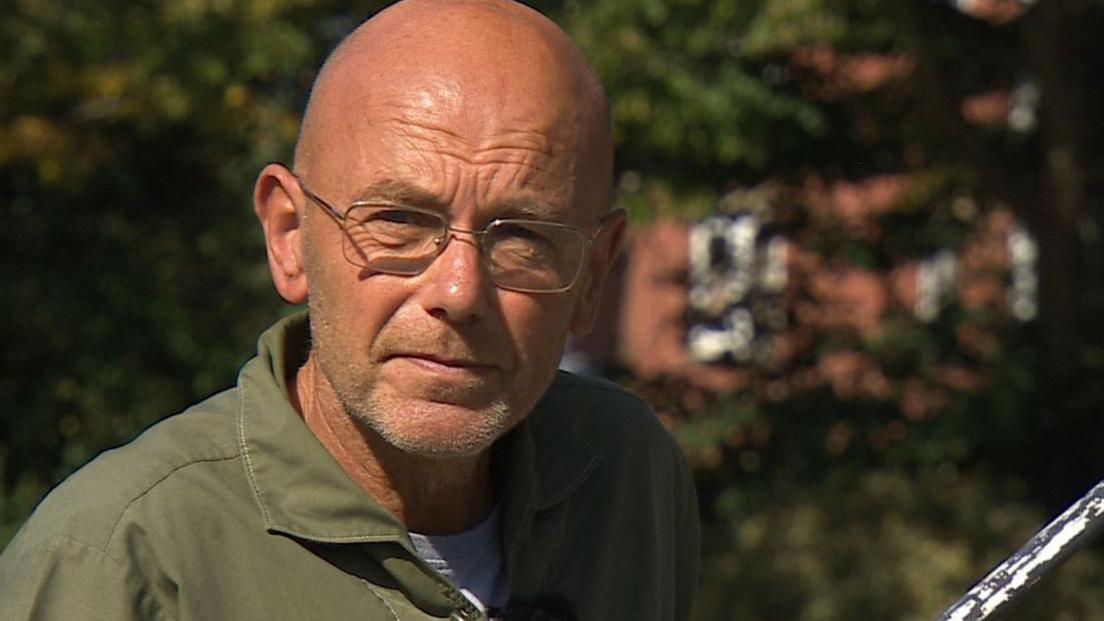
(472, 560)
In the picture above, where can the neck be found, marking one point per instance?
(428, 494)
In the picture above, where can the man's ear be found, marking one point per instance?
(603, 253)
(284, 235)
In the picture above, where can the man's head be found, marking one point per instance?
(475, 110)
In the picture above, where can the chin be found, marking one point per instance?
(439, 430)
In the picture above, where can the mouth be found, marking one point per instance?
(443, 362)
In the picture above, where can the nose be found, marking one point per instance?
(456, 286)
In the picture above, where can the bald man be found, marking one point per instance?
(407, 449)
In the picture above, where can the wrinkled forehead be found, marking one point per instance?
(474, 75)
(485, 117)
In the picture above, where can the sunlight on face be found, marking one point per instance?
(444, 362)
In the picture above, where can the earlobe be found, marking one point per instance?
(602, 256)
(282, 225)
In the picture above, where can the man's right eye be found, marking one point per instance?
(390, 217)
(395, 216)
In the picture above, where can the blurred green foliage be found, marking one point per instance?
(135, 283)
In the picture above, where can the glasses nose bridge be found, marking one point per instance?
(449, 231)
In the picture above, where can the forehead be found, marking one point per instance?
(472, 67)
(441, 140)
(395, 190)
(501, 100)
(486, 128)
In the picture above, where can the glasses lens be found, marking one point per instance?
(396, 240)
(526, 255)
(532, 255)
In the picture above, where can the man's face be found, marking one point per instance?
(444, 362)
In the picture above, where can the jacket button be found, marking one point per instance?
(464, 614)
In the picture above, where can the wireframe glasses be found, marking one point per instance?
(530, 256)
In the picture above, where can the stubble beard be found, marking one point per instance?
(413, 424)
(417, 426)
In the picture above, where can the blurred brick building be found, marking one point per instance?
(647, 310)
(986, 277)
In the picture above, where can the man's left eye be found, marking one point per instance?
(514, 230)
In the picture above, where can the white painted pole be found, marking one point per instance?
(1045, 551)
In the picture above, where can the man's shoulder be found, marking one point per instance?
(586, 396)
(600, 414)
(165, 468)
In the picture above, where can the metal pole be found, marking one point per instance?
(1044, 552)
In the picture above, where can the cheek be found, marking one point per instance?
(538, 328)
(351, 310)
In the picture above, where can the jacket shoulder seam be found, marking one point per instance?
(142, 494)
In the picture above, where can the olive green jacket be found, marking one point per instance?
(233, 510)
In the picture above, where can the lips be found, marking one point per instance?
(443, 351)
(436, 359)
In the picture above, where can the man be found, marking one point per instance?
(410, 452)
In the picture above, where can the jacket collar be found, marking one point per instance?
(302, 491)
(299, 488)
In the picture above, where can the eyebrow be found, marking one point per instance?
(403, 193)
(392, 191)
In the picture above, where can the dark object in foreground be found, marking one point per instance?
(1048, 549)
